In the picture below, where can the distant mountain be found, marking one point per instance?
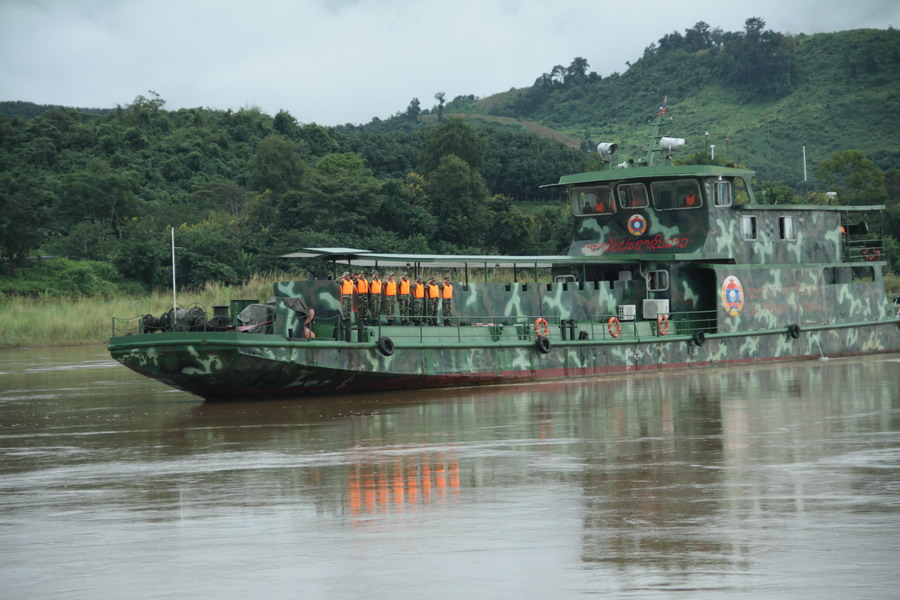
(17, 109)
(761, 96)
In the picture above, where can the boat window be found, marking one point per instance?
(592, 200)
(632, 195)
(748, 227)
(657, 281)
(741, 194)
(723, 193)
(676, 194)
(786, 226)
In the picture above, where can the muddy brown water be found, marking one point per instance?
(777, 481)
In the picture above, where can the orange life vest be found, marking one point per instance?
(390, 288)
(433, 291)
(375, 287)
(346, 287)
(419, 292)
(404, 288)
(362, 286)
(448, 291)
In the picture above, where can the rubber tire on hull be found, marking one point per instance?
(543, 344)
(699, 338)
(794, 330)
(386, 345)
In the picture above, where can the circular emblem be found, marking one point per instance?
(732, 296)
(637, 224)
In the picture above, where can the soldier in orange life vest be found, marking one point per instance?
(434, 297)
(418, 301)
(447, 300)
(404, 299)
(362, 298)
(376, 289)
(390, 298)
(345, 285)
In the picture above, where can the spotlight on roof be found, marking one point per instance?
(670, 144)
(607, 149)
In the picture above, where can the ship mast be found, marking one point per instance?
(661, 143)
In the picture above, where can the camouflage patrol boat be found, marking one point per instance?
(670, 267)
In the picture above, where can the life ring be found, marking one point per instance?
(699, 338)
(870, 253)
(662, 324)
(385, 345)
(794, 330)
(543, 344)
(541, 327)
(615, 328)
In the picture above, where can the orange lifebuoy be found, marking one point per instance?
(541, 327)
(662, 324)
(615, 328)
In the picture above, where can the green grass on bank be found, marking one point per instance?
(46, 321)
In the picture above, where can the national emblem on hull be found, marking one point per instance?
(637, 224)
(732, 296)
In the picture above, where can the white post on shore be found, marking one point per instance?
(174, 299)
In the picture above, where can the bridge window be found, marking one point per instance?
(676, 194)
(632, 195)
(748, 227)
(657, 281)
(723, 193)
(786, 226)
(592, 200)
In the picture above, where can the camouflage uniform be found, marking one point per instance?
(375, 298)
(403, 299)
(362, 300)
(432, 288)
(446, 303)
(346, 299)
(390, 301)
(418, 304)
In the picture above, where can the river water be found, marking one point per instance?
(778, 481)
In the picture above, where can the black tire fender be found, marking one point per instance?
(794, 330)
(699, 338)
(385, 345)
(543, 344)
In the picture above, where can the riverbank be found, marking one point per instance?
(46, 321)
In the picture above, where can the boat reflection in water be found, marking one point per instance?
(674, 473)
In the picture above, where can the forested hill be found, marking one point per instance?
(104, 186)
(761, 95)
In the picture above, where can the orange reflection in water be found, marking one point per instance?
(377, 486)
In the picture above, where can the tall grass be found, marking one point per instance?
(49, 321)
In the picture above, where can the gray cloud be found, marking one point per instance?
(348, 60)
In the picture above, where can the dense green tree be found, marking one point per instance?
(854, 177)
(455, 137)
(23, 222)
(277, 165)
(458, 198)
(337, 194)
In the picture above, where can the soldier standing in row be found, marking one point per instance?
(404, 299)
(418, 301)
(390, 298)
(434, 298)
(447, 300)
(375, 295)
(362, 298)
(345, 284)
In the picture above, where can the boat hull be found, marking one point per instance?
(230, 365)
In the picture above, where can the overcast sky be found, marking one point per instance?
(347, 61)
